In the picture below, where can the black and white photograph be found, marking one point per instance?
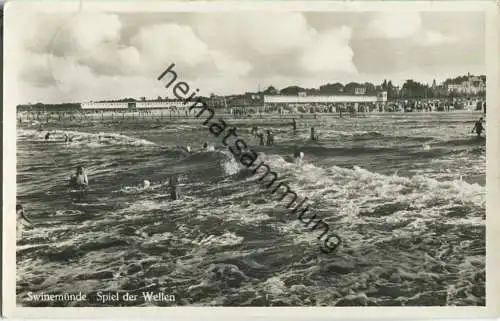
(254, 156)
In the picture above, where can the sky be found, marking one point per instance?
(97, 55)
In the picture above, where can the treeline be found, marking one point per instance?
(410, 89)
(64, 107)
(141, 99)
(461, 79)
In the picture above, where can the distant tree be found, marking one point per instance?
(413, 89)
(350, 87)
(370, 88)
(391, 91)
(329, 89)
(384, 85)
(291, 90)
(159, 98)
(270, 91)
(431, 93)
(143, 98)
(312, 91)
(456, 81)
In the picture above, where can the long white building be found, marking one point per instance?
(161, 105)
(131, 106)
(104, 106)
(380, 97)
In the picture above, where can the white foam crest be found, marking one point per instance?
(242, 213)
(85, 139)
(159, 237)
(185, 126)
(228, 238)
(230, 164)
(351, 133)
(352, 194)
(141, 206)
(274, 285)
(362, 182)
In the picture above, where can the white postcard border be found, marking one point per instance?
(194, 313)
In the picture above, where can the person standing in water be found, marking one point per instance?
(47, 136)
(261, 138)
(294, 124)
(314, 136)
(79, 180)
(478, 127)
(174, 187)
(255, 130)
(270, 138)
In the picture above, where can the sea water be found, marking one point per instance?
(405, 192)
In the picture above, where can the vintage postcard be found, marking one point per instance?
(303, 160)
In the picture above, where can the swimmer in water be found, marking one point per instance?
(136, 189)
(299, 157)
(79, 180)
(478, 127)
(47, 136)
(205, 146)
(185, 149)
(174, 187)
(21, 216)
(21, 220)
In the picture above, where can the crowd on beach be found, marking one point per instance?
(282, 110)
(416, 105)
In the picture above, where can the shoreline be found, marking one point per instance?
(164, 117)
(100, 122)
(124, 122)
